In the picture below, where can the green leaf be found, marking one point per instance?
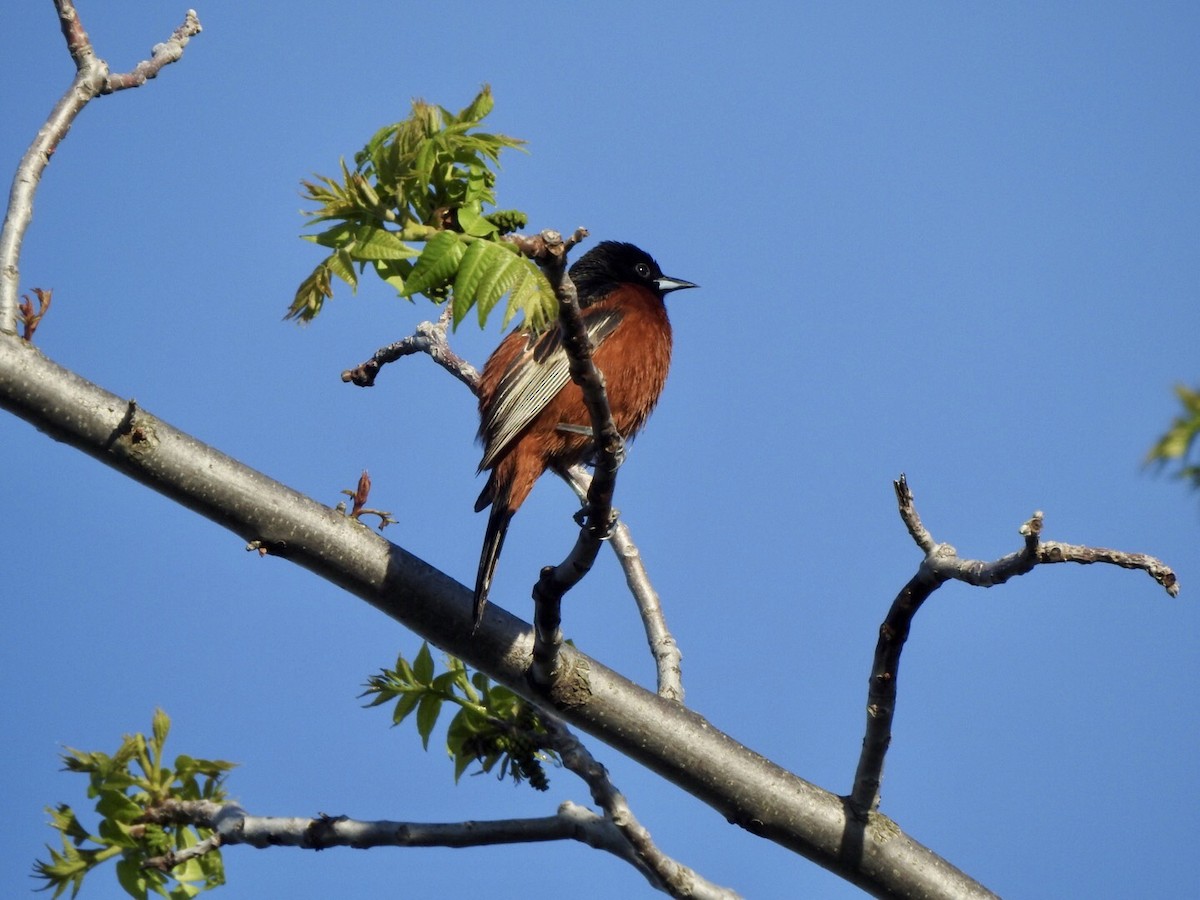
(472, 222)
(375, 242)
(393, 273)
(423, 665)
(405, 704)
(443, 684)
(64, 820)
(462, 680)
(488, 271)
(115, 805)
(341, 264)
(433, 170)
(461, 763)
(187, 765)
(437, 264)
(471, 271)
(404, 671)
(532, 296)
(478, 109)
(427, 715)
(338, 236)
(312, 294)
(1180, 440)
(161, 726)
(132, 878)
(496, 282)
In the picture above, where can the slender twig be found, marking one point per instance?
(676, 879)
(92, 78)
(429, 338)
(1054, 552)
(549, 251)
(161, 55)
(941, 564)
(663, 647)
(232, 825)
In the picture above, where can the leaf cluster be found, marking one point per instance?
(492, 725)
(124, 785)
(417, 209)
(1179, 442)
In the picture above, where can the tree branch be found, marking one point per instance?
(676, 879)
(667, 656)
(232, 825)
(161, 55)
(942, 564)
(430, 339)
(549, 250)
(683, 747)
(92, 78)
(618, 831)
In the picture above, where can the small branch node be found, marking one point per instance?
(908, 514)
(1033, 528)
(31, 318)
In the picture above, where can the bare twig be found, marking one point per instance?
(908, 513)
(232, 825)
(665, 873)
(549, 251)
(429, 338)
(161, 55)
(942, 564)
(92, 78)
(1054, 552)
(666, 653)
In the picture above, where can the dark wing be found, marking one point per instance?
(531, 381)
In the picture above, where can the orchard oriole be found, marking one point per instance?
(526, 395)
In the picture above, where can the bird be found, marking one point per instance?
(532, 416)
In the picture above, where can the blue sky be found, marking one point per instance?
(952, 240)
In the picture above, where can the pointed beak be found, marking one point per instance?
(666, 284)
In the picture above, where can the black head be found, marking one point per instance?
(611, 263)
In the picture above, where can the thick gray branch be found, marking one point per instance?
(680, 745)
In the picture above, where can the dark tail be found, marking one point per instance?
(493, 540)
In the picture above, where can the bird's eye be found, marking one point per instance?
(642, 270)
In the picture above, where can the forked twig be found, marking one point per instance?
(92, 78)
(941, 564)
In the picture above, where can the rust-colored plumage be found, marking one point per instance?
(526, 393)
